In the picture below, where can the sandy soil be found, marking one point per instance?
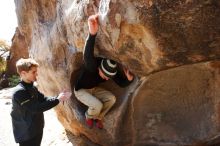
(54, 133)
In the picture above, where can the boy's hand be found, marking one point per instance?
(93, 24)
(128, 74)
(63, 96)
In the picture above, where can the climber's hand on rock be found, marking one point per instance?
(128, 74)
(63, 96)
(93, 24)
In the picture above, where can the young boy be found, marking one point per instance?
(94, 71)
(28, 105)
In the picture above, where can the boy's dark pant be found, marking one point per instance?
(36, 141)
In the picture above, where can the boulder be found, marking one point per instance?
(19, 49)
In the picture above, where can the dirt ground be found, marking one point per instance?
(54, 133)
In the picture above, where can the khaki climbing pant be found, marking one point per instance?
(98, 100)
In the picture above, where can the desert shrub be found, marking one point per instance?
(4, 49)
(13, 80)
(2, 65)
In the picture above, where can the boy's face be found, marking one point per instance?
(29, 76)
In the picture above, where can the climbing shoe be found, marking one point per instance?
(89, 123)
(99, 124)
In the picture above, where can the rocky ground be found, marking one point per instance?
(54, 133)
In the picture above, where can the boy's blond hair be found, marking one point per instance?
(25, 64)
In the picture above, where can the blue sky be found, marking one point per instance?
(8, 19)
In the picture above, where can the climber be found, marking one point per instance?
(28, 105)
(94, 71)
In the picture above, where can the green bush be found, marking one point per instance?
(13, 80)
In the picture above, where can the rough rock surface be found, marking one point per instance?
(168, 104)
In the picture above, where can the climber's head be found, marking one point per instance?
(107, 69)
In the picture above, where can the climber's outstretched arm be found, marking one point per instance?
(88, 54)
